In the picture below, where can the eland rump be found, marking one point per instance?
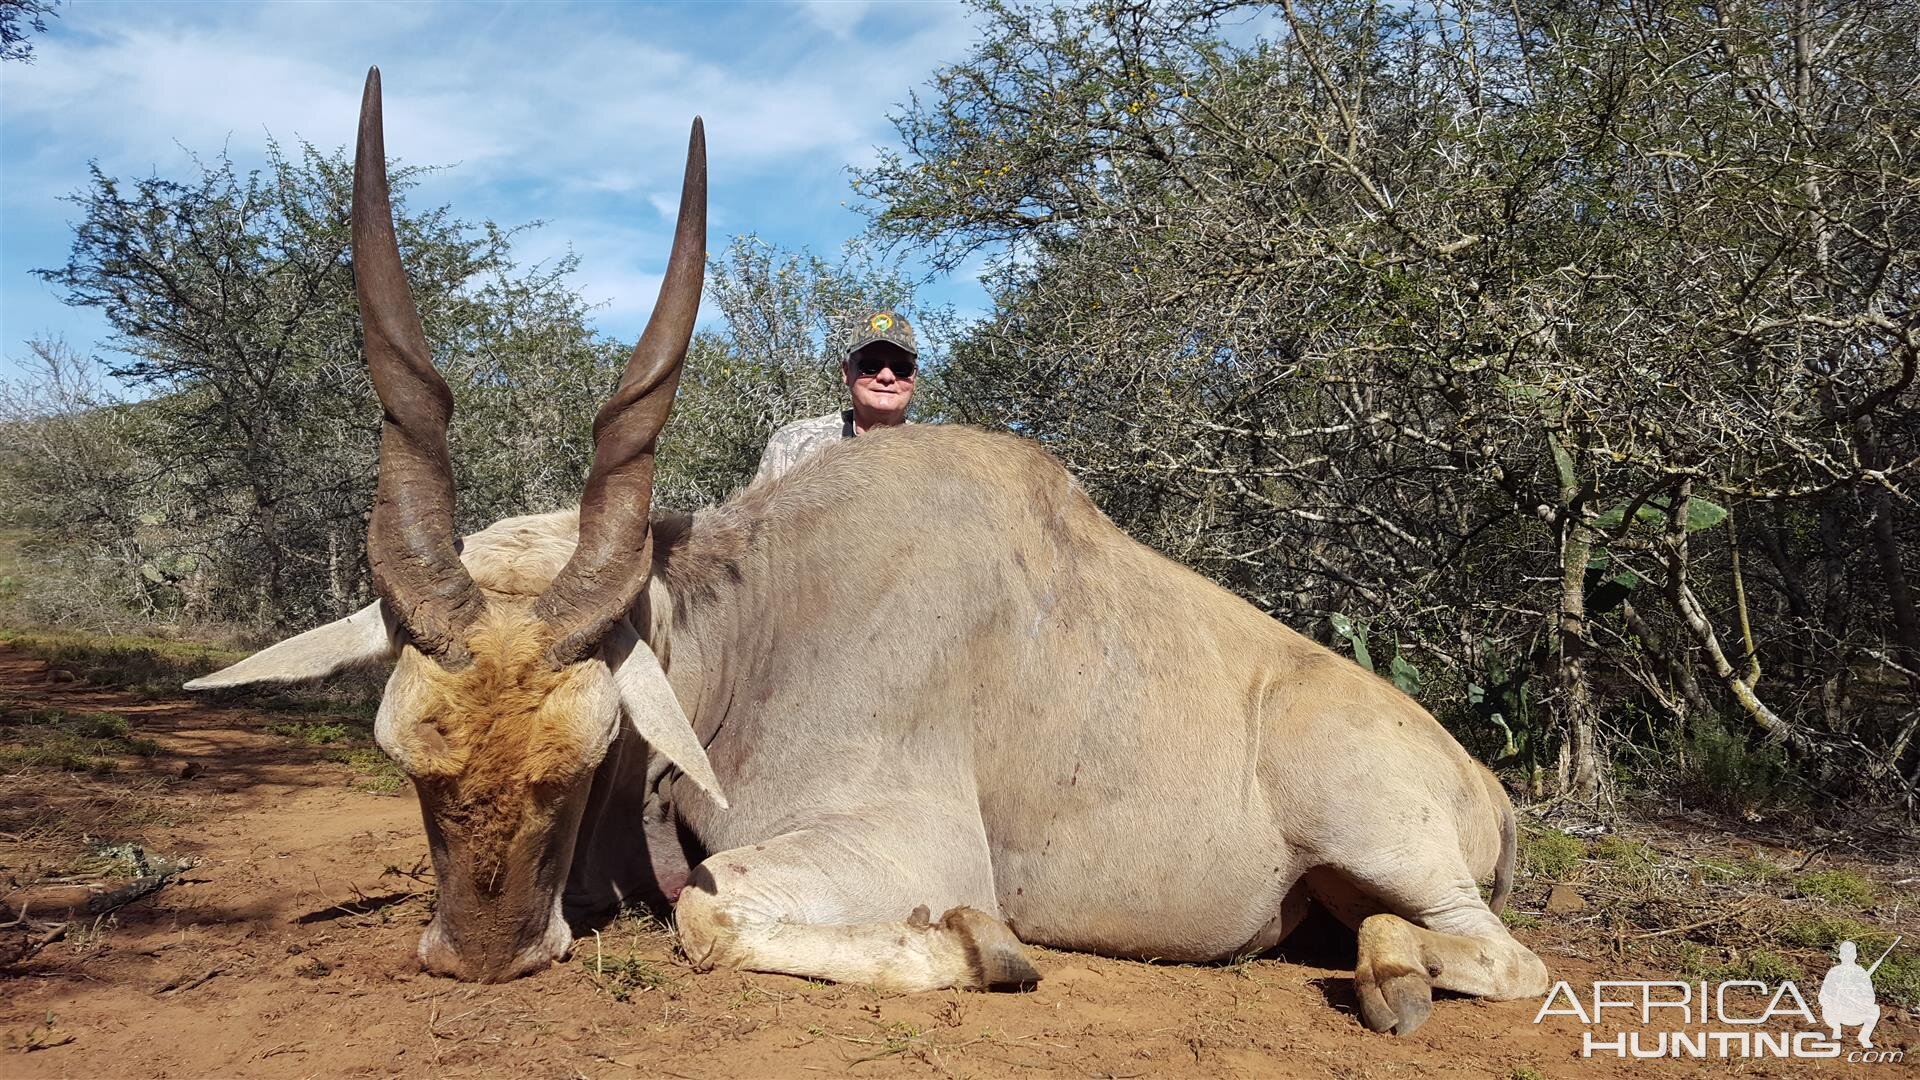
(928, 674)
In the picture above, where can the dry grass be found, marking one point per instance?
(1678, 901)
(67, 741)
(154, 667)
(634, 954)
(55, 825)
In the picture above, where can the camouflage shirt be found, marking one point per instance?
(792, 444)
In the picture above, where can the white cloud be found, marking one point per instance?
(580, 98)
(623, 296)
(574, 113)
(136, 92)
(837, 17)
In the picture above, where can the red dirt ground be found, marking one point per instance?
(286, 952)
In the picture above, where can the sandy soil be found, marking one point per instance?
(286, 951)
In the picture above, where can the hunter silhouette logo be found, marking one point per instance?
(1846, 994)
(1738, 1018)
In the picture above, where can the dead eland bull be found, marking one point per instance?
(927, 674)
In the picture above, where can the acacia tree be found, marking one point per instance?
(78, 493)
(231, 298)
(19, 21)
(242, 467)
(1473, 335)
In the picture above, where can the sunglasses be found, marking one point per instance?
(870, 363)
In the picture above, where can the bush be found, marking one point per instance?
(100, 725)
(70, 742)
(1837, 886)
(1723, 770)
(1550, 853)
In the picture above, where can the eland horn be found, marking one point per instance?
(602, 580)
(410, 540)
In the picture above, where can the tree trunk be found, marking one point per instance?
(1836, 597)
(1893, 571)
(1582, 767)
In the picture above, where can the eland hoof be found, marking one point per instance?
(995, 957)
(1398, 1001)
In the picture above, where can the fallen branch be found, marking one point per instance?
(30, 945)
(115, 899)
(79, 898)
(1738, 909)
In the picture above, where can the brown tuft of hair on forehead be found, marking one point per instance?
(497, 739)
(509, 718)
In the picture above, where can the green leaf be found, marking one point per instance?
(1356, 636)
(1605, 594)
(1609, 520)
(1701, 514)
(1562, 462)
(1523, 391)
(1404, 675)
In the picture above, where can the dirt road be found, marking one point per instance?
(285, 950)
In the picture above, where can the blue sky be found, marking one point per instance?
(575, 114)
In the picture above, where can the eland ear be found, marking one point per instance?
(363, 637)
(651, 707)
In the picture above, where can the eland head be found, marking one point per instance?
(504, 695)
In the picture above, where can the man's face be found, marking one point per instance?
(880, 377)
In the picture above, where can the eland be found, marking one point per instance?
(919, 673)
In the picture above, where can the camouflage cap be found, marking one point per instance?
(885, 326)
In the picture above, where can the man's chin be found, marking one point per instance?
(887, 410)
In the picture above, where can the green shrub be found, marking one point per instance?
(130, 661)
(1818, 930)
(1629, 854)
(627, 976)
(1837, 886)
(1897, 981)
(1724, 771)
(1751, 869)
(1765, 965)
(86, 742)
(1549, 853)
(99, 725)
(63, 753)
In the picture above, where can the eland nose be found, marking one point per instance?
(438, 956)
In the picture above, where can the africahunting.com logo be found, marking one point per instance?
(1738, 1018)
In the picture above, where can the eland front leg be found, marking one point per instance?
(1421, 927)
(851, 901)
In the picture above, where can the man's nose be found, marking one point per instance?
(884, 376)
